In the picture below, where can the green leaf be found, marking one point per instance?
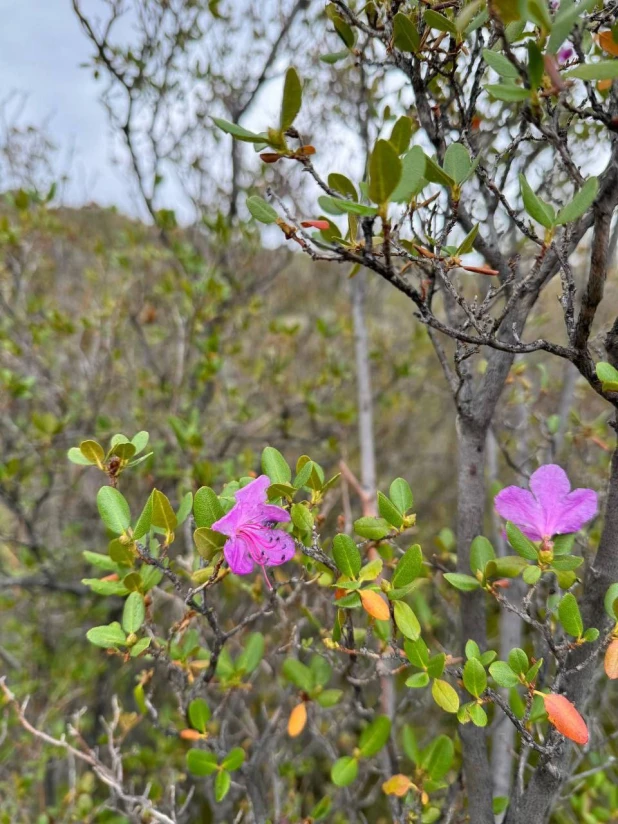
(472, 650)
(344, 771)
(412, 176)
(465, 583)
(252, 654)
(76, 457)
(417, 653)
(201, 762)
(481, 552)
(199, 714)
(435, 665)
(375, 736)
(478, 716)
(222, 785)
(389, 511)
(328, 698)
(564, 21)
(406, 620)
(184, 508)
(499, 63)
(518, 661)
(133, 613)
(144, 522)
(580, 203)
(384, 172)
(438, 21)
(261, 210)
(435, 174)
(563, 544)
(275, 466)
(401, 495)
(503, 675)
(540, 211)
(372, 528)
(105, 587)
(208, 542)
(523, 546)
(341, 183)
(457, 163)
(508, 93)
(371, 570)
(346, 206)
(110, 635)
(401, 134)
(139, 647)
(321, 809)
(467, 244)
(609, 602)
(163, 516)
(301, 518)
(206, 507)
(100, 561)
(603, 70)
(92, 452)
(567, 562)
(140, 441)
(238, 132)
(410, 745)
(113, 509)
(608, 376)
(299, 674)
(531, 575)
(536, 65)
(346, 555)
(509, 566)
(474, 677)
(405, 35)
(570, 617)
(292, 99)
(234, 759)
(445, 696)
(408, 567)
(418, 680)
(437, 758)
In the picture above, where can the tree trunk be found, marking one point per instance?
(470, 521)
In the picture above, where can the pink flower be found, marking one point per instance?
(250, 527)
(550, 508)
(564, 54)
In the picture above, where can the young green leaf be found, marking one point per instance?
(523, 546)
(371, 528)
(252, 654)
(474, 677)
(346, 555)
(518, 661)
(408, 567)
(201, 762)
(222, 785)
(199, 714)
(500, 64)
(580, 203)
(292, 99)
(540, 211)
(299, 674)
(206, 507)
(437, 758)
(406, 620)
(405, 35)
(344, 771)
(234, 759)
(275, 466)
(457, 163)
(445, 696)
(261, 210)
(507, 92)
(108, 636)
(570, 617)
(503, 675)
(133, 613)
(163, 516)
(481, 551)
(389, 511)
(384, 172)
(375, 736)
(465, 583)
(238, 132)
(113, 509)
(401, 495)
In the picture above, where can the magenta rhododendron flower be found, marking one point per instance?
(565, 54)
(250, 527)
(550, 508)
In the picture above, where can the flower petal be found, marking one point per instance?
(237, 555)
(254, 493)
(274, 514)
(283, 548)
(520, 507)
(550, 485)
(579, 507)
(230, 522)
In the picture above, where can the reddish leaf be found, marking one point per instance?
(323, 225)
(270, 157)
(481, 270)
(607, 43)
(611, 660)
(191, 735)
(374, 604)
(297, 720)
(306, 150)
(565, 718)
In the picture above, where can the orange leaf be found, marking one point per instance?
(481, 270)
(607, 43)
(323, 225)
(306, 150)
(397, 785)
(611, 660)
(565, 718)
(604, 85)
(113, 577)
(191, 735)
(374, 604)
(297, 721)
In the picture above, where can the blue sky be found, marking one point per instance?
(41, 47)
